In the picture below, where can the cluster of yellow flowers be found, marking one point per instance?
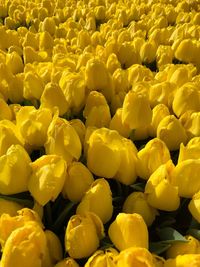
(86, 81)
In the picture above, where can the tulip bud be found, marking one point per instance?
(185, 177)
(73, 87)
(136, 202)
(186, 99)
(97, 199)
(194, 206)
(27, 242)
(184, 261)
(126, 173)
(63, 140)
(171, 132)
(83, 234)
(15, 170)
(33, 86)
(14, 63)
(67, 262)
(154, 154)
(148, 52)
(47, 179)
(98, 78)
(103, 258)
(134, 257)
(77, 181)
(161, 193)
(5, 111)
(136, 111)
(128, 230)
(112, 63)
(190, 151)
(116, 124)
(33, 125)
(191, 122)
(9, 207)
(161, 93)
(48, 25)
(45, 41)
(103, 155)
(53, 96)
(54, 247)
(160, 111)
(181, 248)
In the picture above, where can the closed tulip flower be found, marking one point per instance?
(191, 122)
(128, 230)
(136, 111)
(161, 193)
(83, 235)
(77, 181)
(33, 125)
(186, 98)
(184, 261)
(171, 132)
(26, 242)
(14, 62)
(33, 86)
(97, 199)
(137, 257)
(54, 248)
(148, 52)
(103, 155)
(181, 248)
(67, 262)
(194, 206)
(160, 111)
(102, 258)
(154, 154)
(47, 179)
(15, 170)
(73, 87)
(99, 116)
(185, 177)
(116, 124)
(80, 128)
(191, 150)
(98, 78)
(136, 202)
(63, 140)
(53, 96)
(126, 173)
(9, 207)
(5, 111)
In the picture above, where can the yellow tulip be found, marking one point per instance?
(136, 202)
(194, 206)
(83, 234)
(137, 257)
(33, 125)
(97, 199)
(47, 179)
(185, 177)
(190, 151)
(154, 154)
(9, 207)
(128, 230)
(77, 181)
(67, 262)
(33, 86)
(136, 111)
(15, 170)
(53, 96)
(184, 261)
(102, 258)
(24, 247)
(171, 132)
(63, 140)
(161, 193)
(181, 248)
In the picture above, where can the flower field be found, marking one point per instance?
(100, 133)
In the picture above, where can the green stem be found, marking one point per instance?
(60, 220)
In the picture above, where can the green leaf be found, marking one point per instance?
(169, 235)
(24, 202)
(194, 232)
(158, 247)
(138, 187)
